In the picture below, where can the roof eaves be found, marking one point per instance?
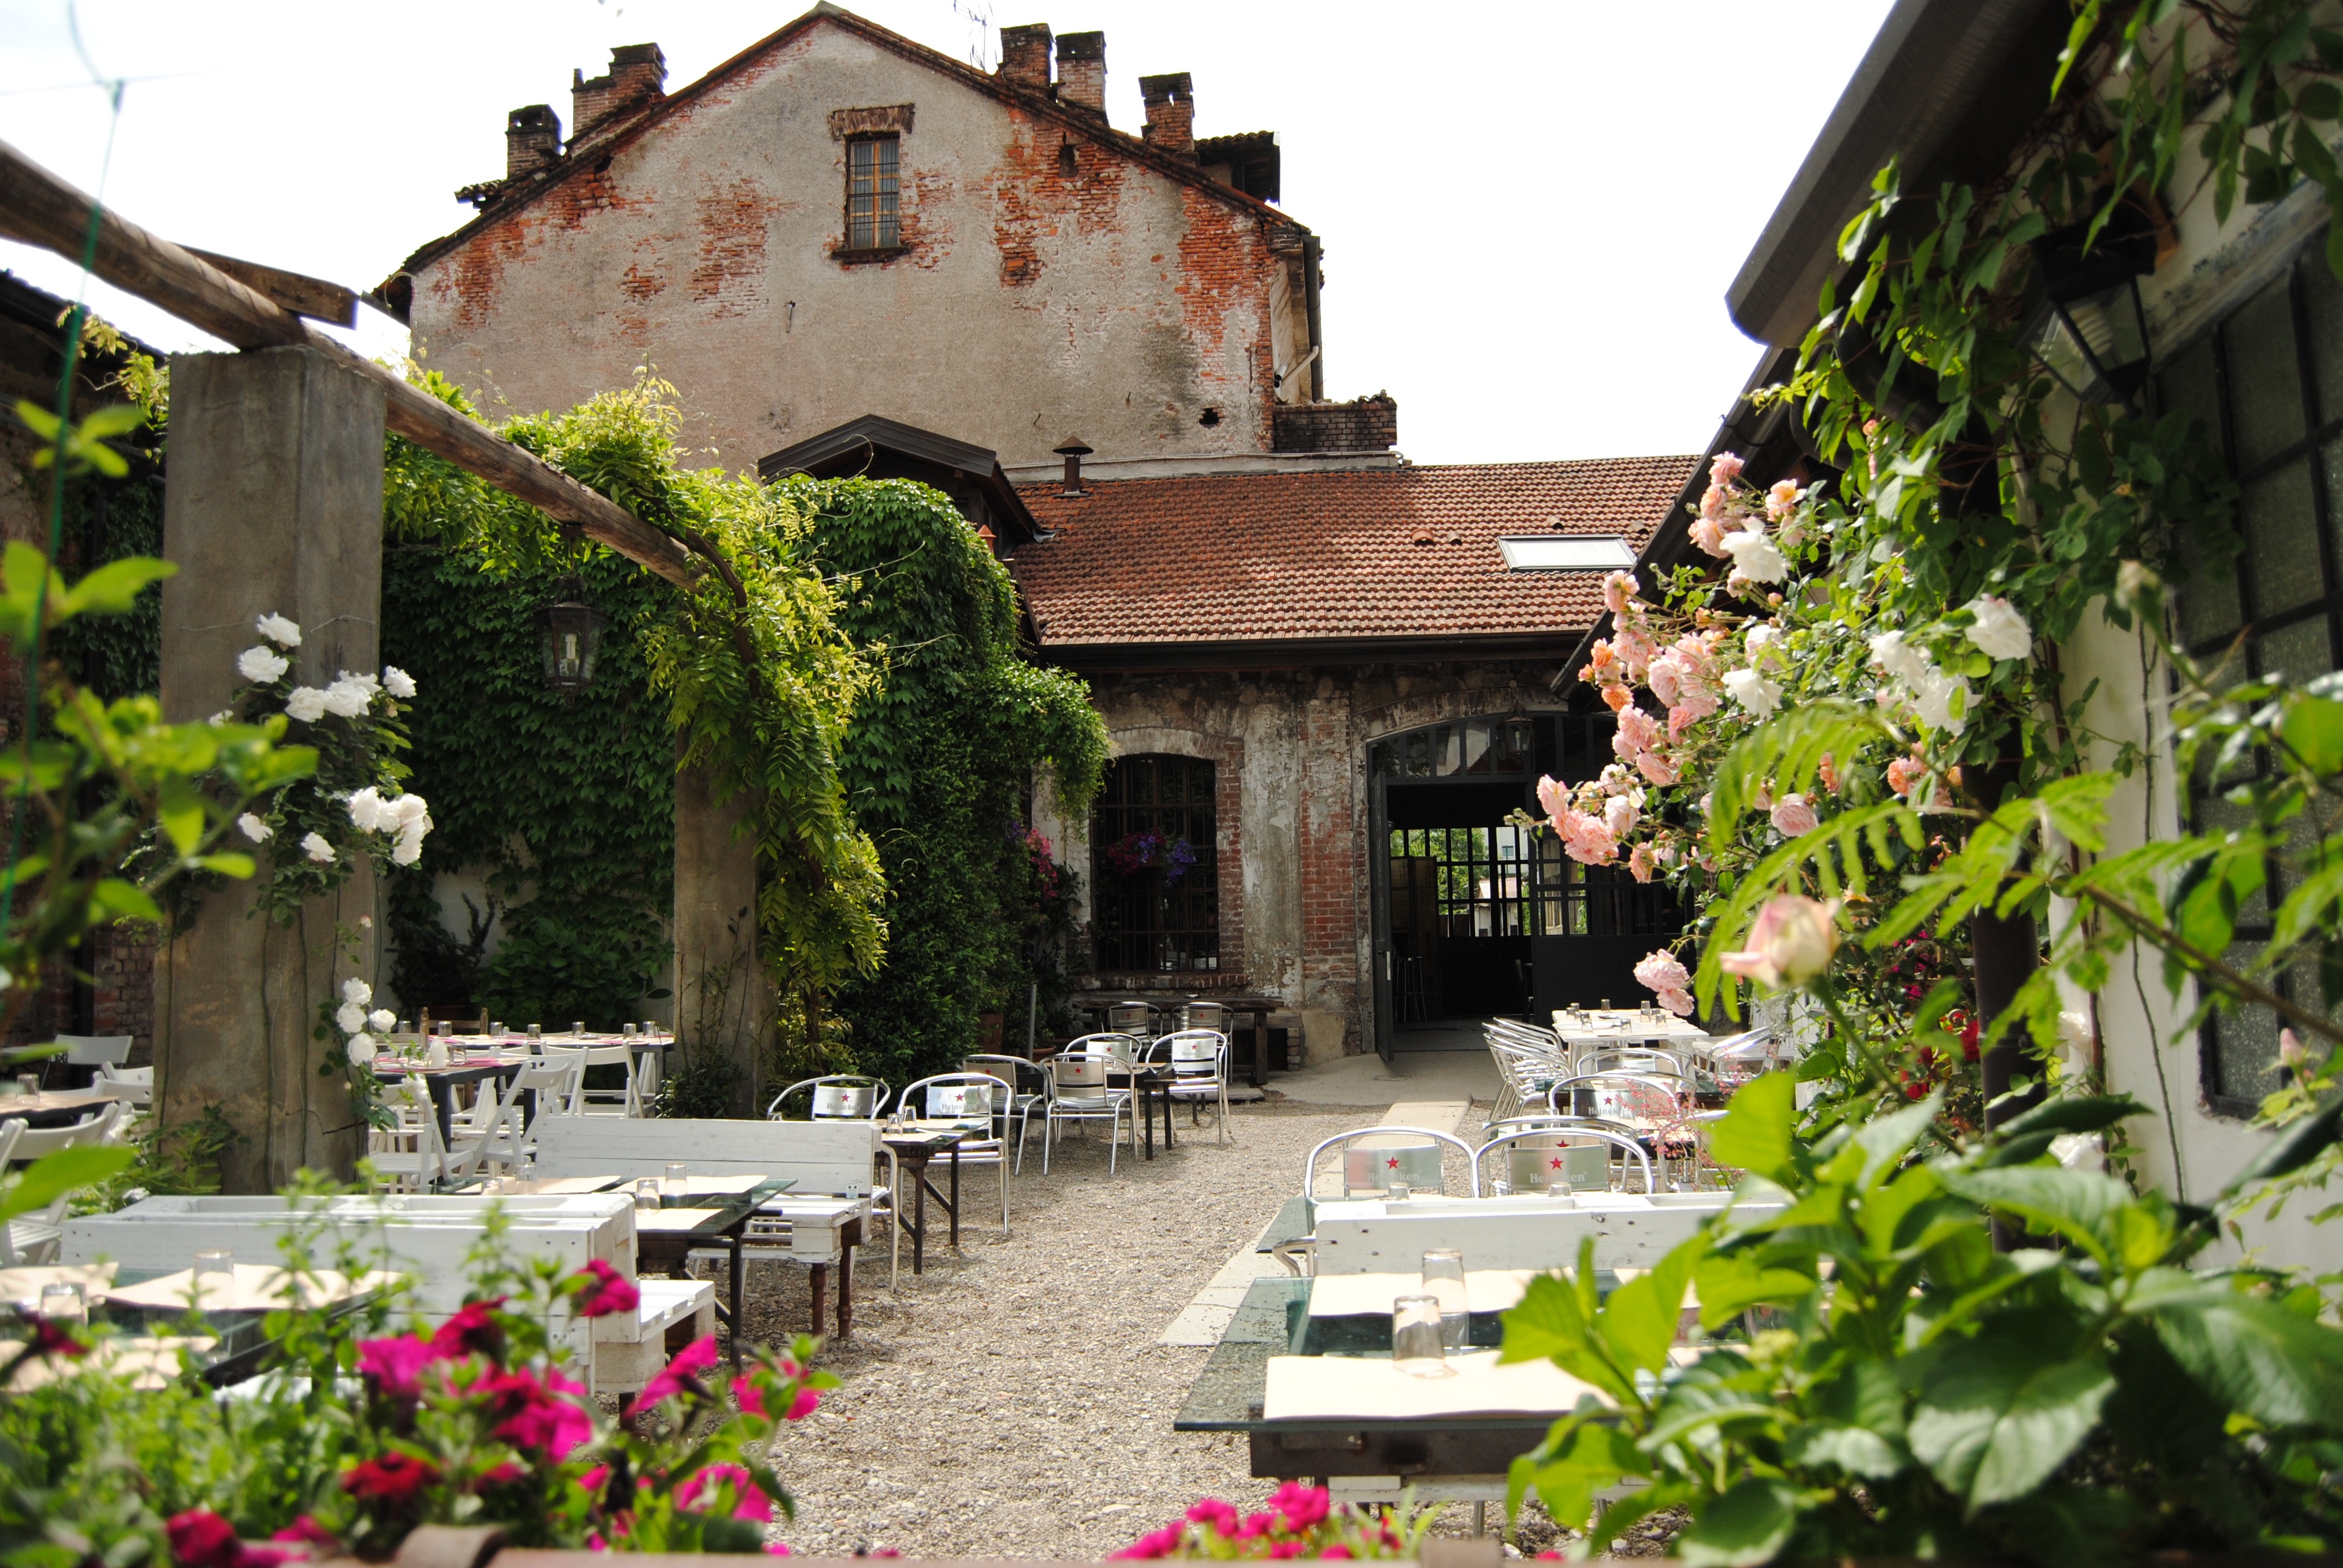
(608, 145)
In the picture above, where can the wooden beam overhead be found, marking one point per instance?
(38, 208)
(303, 295)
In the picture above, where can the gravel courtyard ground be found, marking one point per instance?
(1013, 1402)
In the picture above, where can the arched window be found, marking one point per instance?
(1154, 872)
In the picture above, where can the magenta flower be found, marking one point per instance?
(394, 1365)
(1301, 1506)
(607, 1291)
(1214, 1514)
(1155, 1543)
(804, 1405)
(749, 1500)
(679, 1373)
(471, 1331)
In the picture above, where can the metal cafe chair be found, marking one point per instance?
(1199, 1072)
(1028, 1090)
(1374, 1168)
(835, 1096)
(1208, 1015)
(976, 1098)
(1079, 1092)
(1542, 1146)
(1124, 1047)
(1142, 1020)
(1631, 1099)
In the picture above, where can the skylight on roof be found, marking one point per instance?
(1566, 553)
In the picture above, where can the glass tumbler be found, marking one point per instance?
(678, 1181)
(647, 1192)
(28, 1084)
(1444, 1281)
(1397, 1193)
(215, 1271)
(1415, 1337)
(62, 1299)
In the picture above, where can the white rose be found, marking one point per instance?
(1753, 691)
(1942, 702)
(366, 810)
(409, 848)
(383, 1020)
(306, 704)
(225, 716)
(254, 828)
(317, 850)
(350, 1018)
(2000, 630)
(278, 630)
(401, 810)
(347, 699)
(261, 665)
(357, 990)
(1891, 653)
(1755, 557)
(361, 1048)
(1765, 645)
(396, 681)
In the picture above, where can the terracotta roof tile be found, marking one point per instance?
(1347, 553)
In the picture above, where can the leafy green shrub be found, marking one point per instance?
(2082, 1399)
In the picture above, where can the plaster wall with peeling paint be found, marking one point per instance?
(1116, 302)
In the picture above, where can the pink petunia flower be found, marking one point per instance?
(689, 1361)
(394, 1366)
(610, 1290)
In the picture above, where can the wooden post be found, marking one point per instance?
(273, 504)
(723, 997)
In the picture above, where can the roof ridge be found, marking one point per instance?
(919, 54)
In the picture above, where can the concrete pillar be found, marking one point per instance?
(723, 997)
(273, 504)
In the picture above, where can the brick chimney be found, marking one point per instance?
(1082, 71)
(637, 76)
(1170, 113)
(532, 140)
(1025, 56)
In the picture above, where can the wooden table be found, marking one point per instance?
(710, 1210)
(56, 1107)
(914, 1147)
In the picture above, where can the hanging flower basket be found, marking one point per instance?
(1136, 853)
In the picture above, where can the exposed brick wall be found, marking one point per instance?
(1362, 425)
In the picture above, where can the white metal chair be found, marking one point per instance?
(976, 1098)
(1635, 1100)
(34, 1238)
(1199, 1072)
(1375, 1168)
(1539, 1147)
(411, 1156)
(1140, 1018)
(1208, 1015)
(626, 1101)
(1079, 1092)
(852, 1096)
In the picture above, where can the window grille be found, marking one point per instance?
(2268, 381)
(1154, 869)
(872, 188)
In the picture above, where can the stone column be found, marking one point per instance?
(273, 504)
(723, 997)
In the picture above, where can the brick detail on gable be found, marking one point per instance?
(1368, 424)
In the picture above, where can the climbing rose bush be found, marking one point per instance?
(1300, 1521)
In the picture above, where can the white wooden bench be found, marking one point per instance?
(818, 1221)
(428, 1239)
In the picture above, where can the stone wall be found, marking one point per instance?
(1369, 424)
(1290, 749)
(1052, 281)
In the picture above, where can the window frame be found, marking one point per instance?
(1183, 920)
(883, 231)
(2321, 430)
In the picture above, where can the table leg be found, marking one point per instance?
(739, 1273)
(1167, 1119)
(955, 1200)
(1260, 1047)
(443, 1108)
(919, 1216)
(1142, 1103)
(849, 1238)
(820, 1279)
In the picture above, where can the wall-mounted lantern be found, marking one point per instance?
(573, 636)
(2083, 318)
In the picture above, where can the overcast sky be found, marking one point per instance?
(1530, 212)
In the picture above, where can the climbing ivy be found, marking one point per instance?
(937, 763)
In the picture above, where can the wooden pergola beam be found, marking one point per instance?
(38, 208)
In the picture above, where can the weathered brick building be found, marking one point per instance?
(1327, 681)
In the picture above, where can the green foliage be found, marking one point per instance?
(937, 763)
(120, 656)
(566, 805)
(1932, 1397)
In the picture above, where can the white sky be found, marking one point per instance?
(1529, 211)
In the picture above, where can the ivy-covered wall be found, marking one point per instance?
(567, 806)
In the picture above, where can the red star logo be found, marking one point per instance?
(1392, 1162)
(1557, 1163)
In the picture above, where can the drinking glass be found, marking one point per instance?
(678, 1180)
(1557, 1184)
(1444, 1281)
(1501, 1188)
(647, 1192)
(215, 1271)
(497, 1031)
(28, 1084)
(579, 1029)
(62, 1299)
(1397, 1193)
(1415, 1337)
(627, 1031)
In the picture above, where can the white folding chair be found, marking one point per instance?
(134, 1086)
(34, 1238)
(1200, 1072)
(504, 1138)
(89, 1050)
(1079, 1092)
(624, 1100)
(411, 1155)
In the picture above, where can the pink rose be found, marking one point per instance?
(1639, 862)
(1708, 536)
(1792, 816)
(1655, 767)
(1783, 499)
(1662, 971)
(1678, 1002)
(1553, 799)
(1617, 698)
(1619, 587)
(1724, 468)
(1905, 772)
(1791, 942)
(1638, 732)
